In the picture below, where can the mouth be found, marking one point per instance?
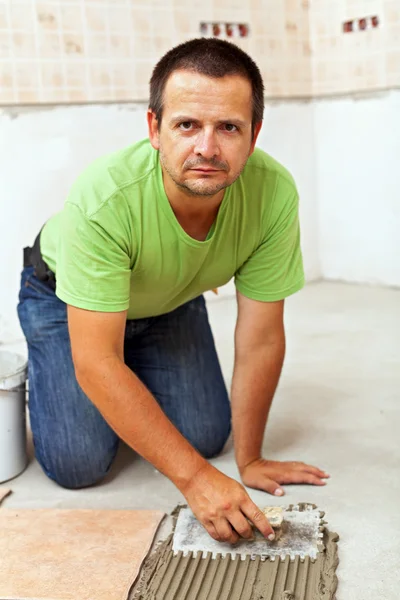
(206, 170)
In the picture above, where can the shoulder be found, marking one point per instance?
(261, 166)
(111, 174)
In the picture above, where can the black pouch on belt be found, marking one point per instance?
(33, 258)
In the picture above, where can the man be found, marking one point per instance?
(111, 298)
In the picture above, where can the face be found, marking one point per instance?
(205, 136)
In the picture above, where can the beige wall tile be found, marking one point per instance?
(123, 76)
(393, 62)
(143, 73)
(21, 16)
(4, 21)
(49, 45)
(100, 75)
(107, 49)
(71, 17)
(8, 96)
(393, 37)
(144, 47)
(23, 45)
(96, 46)
(141, 20)
(96, 17)
(28, 96)
(7, 83)
(75, 75)
(26, 75)
(76, 95)
(52, 75)
(183, 21)
(6, 44)
(391, 12)
(53, 95)
(120, 46)
(118, 18)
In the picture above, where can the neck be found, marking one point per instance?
(195, 214)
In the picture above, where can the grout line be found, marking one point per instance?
(85, 30)
(38, 59)
(110, 58)
(11, 57)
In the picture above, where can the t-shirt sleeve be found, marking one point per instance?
(275, 269)
(93, 262)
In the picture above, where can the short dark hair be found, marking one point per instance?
(211, 57)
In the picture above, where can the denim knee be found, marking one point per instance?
(73, 474)
(212, 443)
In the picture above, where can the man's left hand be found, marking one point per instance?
(269, 475)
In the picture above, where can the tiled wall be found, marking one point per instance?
(103, 50)
(362, 60)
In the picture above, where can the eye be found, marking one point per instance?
(185, 125)
(230, 127)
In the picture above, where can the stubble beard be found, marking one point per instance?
(198, 188)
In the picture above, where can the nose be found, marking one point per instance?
(207, 143)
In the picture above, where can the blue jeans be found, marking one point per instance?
(173, 354)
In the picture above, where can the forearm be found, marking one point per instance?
(134, 414)
(255, 378)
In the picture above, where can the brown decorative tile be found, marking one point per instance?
(46, 15)
(26, 75)
(73, 45)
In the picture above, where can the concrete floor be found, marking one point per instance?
(336, 407)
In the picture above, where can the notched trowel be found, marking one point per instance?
(298, 528)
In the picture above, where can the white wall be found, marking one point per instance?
(43, 150)
(358, 188)
(343, 153)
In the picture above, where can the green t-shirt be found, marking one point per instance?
(117, 244)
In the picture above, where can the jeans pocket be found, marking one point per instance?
(38, 286)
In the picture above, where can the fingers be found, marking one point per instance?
(241, 525)
(317, 472)
(257, 517)
(224, 531)
(303, 477)
(310, 469)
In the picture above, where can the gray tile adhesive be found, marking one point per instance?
(193, 576)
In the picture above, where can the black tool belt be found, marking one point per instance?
(33, 258)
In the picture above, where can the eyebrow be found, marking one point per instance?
(233, 121)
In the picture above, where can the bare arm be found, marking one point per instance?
(130, 409)
(123, 400)
(259, 355)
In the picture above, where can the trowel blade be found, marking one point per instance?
(301, 535)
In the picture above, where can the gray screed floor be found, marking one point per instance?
(336, 407)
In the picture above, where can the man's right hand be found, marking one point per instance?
(223, 506)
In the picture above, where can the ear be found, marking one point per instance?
(257, 130)
(154, 134)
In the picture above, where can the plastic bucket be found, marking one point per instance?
(13, 375)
